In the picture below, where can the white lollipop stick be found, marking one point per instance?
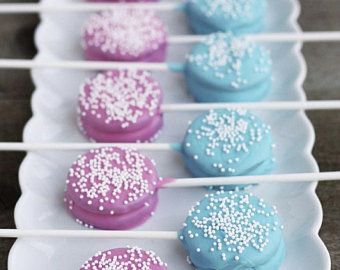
(275, 105)
(17, 146)
(80, 65)
(20, 233)
(83, 7)
(268, 37)
(296, 37)
(257, 179)
(272, 106)
(163, 66)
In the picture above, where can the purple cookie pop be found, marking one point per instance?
(125, 35)
(112, 188)
(130, 258)
(120, 106)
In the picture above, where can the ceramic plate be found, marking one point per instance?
(42, 175)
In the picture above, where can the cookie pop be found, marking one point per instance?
(112, 188)
(120, 106)
(225, 68)
(228, 143)
(233, 230)
(124, 35)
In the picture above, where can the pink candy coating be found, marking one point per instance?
(132, 258)
(125, 35)
(120, 106)
(112, 188)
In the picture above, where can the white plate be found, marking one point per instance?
(42, 175)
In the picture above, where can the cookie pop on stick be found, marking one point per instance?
(107, 65)
(225, 230)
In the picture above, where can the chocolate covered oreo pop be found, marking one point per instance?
(228, 143)
(225, 68)
(124, 35)
(120, 106)
(112, 188)
(233, 230)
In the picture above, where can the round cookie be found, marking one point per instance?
(120, 106)
(225, 68)
(237, 16)
(228, 143)
(233, 230)
(125, 35)
(112, 188)
(130, 258)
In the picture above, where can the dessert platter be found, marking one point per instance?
(265, 226)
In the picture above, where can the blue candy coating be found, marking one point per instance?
(228, 143)
(237, 16)
(225, 68)
(233, 230)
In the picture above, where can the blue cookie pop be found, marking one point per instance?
(225, 68)
(237, 16)
(233, 230)
(228, 143)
